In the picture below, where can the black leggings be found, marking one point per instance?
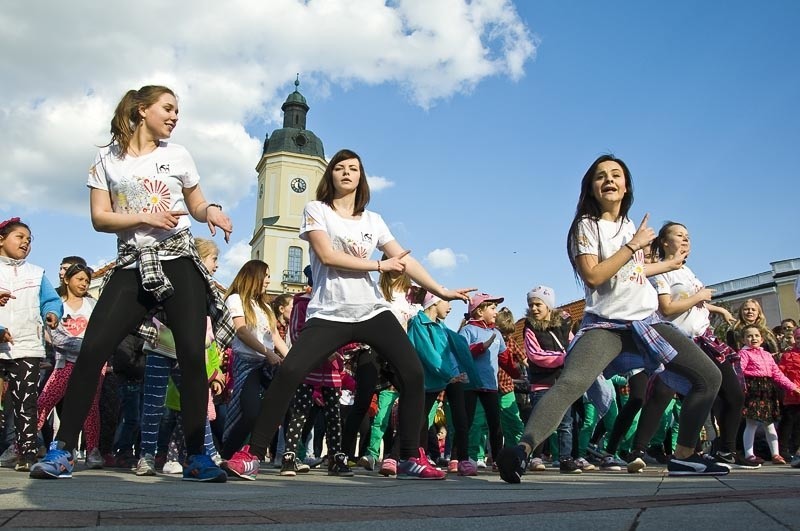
(318, 340)
(458, 412)
(240, 421)
(637, 387)
(490, 400)
(119, 311)
(366, 377)
(595, 350)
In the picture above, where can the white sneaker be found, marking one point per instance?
(481, 464)
(173, 467)
(536, 465)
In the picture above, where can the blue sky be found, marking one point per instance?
(700, 100)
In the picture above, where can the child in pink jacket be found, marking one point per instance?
(761, 405)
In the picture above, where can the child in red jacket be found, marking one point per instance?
(789, 426)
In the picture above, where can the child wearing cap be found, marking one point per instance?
(447, 366)
(486, 345)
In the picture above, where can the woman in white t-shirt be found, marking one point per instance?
(620, 324)
(143, 189)
(347, 306)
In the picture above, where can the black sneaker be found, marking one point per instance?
(725, 458)
(636, 462)
(339, 466)
(289, 465)
(511, 463)
(696, 465)
(657, 453)
(568, 466)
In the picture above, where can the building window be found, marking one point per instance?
(294, 270)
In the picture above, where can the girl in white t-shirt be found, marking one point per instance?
(67, 339)
(143, 188)
(258, 349)
(606, 251)
(347, 306)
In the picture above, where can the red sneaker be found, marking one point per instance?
(242, 464)
(418, 468)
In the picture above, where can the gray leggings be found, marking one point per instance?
(595, 350)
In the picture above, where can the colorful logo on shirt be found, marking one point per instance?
(143, 194)
(75, 326)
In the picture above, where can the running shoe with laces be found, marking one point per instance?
(511, 463)
(200, 467)
(339, 466)
(242, 464)
(388, 467)
(288, 465)
(696, 465)
(636, 462)
(467, 467)
(418, 468)
(367, 462)
(146, 466)
(568, 466)
(584, 465)
(725, 458)
(795, 463)
(612, 463)
(94, 460)
(57, 463)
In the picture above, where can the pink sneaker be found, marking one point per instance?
(452, 466)
(418, 468)
(467, 468)
(388, 467)
(242, 464)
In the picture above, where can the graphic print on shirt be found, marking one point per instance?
(351, 246)
(634, 269)
(75, 326)
(143, 195)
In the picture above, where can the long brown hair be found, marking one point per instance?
(326, 191)
(248, 284)
(390, 281)
(127, 117)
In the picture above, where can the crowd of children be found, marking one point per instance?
(219, 373)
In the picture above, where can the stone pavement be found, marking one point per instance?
(755, 500)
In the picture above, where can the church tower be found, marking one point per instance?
(291, 167)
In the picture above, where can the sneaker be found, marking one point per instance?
(242, 464)
(339, 466)
(367, 462)
(312, 462)
(537, 465)
(725, 458)
(656, 453)
(418, 468)
(24, 463)
(636, 462)
(467, 467)
(511, 463)
(696, 465)
(8, 459)
(584, 465)
(568, 466)
(795, 462)
(288, 468)
(200, 467)
(481, 464)
(452, 466)
(146, 466)
(778, 460)
(612, 463)
(741, 462)
(388, 467)
(94, 460)
(754, 460)
(57, 463)
(172, 467)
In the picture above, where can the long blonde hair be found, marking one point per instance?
(760, 322)
(391, 282)
(248, 284)
(126, 116)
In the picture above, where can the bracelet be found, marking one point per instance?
(379, 265)
(631, 248)
(214, 205)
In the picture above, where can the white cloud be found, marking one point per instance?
(445, 259)
(376, 184)
(231, 260)
(70, 62)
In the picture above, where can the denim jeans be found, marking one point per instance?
(564, 429)
(130, 399)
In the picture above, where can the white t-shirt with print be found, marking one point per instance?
(682, 284)
(153, 182)
(627, 296)
(67, 338)
(261, 330)
(338, 294)
(403, 309)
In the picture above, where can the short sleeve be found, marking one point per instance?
(381, 231)
(313, 219)
(661, 284)
(97, 174)
(586, 238)
(189, 177)
(234, 304)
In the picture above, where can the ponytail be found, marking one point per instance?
(126, 116)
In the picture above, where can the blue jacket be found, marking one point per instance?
(443, 353)
(486, 361)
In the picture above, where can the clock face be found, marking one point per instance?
(298, 185)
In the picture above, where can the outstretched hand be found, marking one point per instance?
(216, 218)
(644, 234)
(461, 294)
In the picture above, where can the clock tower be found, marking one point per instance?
(291, 167)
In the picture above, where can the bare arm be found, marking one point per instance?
(205, 212)
(669, 307)
(246, 336)
(420, 275)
